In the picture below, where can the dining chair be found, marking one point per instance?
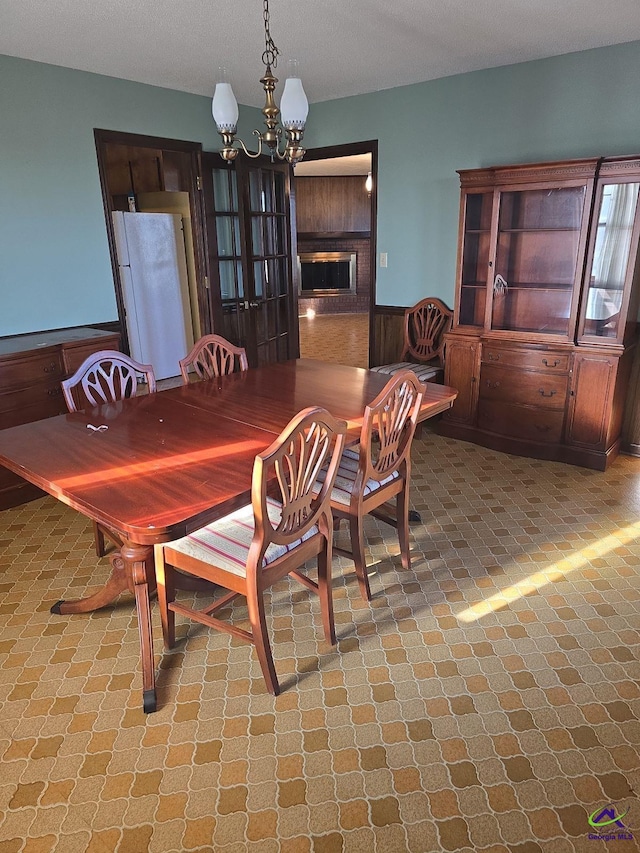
(425, 325)
(105, 377)
(375, 473)
(288, 522)
(212, 356)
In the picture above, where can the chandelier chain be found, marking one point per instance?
(271, 52)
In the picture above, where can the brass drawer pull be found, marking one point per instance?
(542, 427)
(544, 394)
(51, 368)
(493, 357)
(546, 363)
(54, 392)
(492, 384)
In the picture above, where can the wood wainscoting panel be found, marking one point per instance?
(631, 425)
(388, 334)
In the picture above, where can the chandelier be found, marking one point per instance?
(293, 110)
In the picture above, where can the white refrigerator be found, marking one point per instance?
(155, 288)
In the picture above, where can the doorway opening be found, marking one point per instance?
(336, 209)
(153, 222)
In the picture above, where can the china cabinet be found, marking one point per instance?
(546, 308)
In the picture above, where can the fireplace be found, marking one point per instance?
(327, 273)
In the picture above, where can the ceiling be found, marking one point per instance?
(346, 47)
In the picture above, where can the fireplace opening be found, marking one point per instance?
(327, 273)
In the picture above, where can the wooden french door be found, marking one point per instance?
(250, 234)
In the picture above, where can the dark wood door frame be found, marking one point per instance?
(105, 137)
(347, 150)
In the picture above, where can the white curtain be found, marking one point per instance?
(612, 251)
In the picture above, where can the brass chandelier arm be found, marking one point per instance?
(253, 154)
(293, 151)
(269, 138)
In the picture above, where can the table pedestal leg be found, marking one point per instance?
(138, 562)
(118, 582)
(132, 569)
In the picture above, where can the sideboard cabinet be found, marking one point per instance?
(546, 308)
(32, 366)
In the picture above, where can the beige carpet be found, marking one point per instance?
(486, 700)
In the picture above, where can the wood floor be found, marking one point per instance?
(341, 338)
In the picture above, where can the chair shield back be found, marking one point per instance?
(213, 356)
(106, 377)
(287, 472)
(388, 426)
(425, 326)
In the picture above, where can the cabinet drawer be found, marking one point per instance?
(527, 388)
(73, 356)
(33, 403)
(527, 359)
(528, 423)
(33, 368)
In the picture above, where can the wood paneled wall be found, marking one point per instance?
(332, 204)
(631, 424)
(388, 334)
(131, 169)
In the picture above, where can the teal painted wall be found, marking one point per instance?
(581, 104)
(54, 261)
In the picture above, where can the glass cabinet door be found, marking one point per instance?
(475, 258)
(538, 244)
(610, 256)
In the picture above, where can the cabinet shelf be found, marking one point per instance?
(540, 285)
(537, 230)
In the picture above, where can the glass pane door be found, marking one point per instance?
(272, 302)
(610, 259)
(225, 250)
(536, 261)
(475, 260)
(248, 222)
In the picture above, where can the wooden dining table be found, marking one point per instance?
(157, 467)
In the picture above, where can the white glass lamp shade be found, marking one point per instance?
(294, 106)
(224, 106)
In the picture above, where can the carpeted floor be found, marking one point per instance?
(486, 700)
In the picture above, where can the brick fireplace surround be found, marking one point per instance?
(344, 303)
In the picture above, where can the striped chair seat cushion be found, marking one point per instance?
(225, 543)
(346, 476)
(424, 372)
